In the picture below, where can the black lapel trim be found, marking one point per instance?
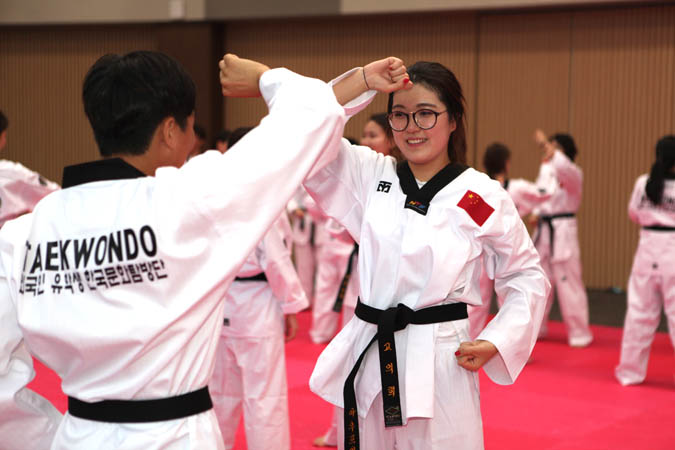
(418, 199)
(102, 170)
(506, 184)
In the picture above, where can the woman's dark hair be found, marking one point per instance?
(127, 97)
(444, 84)
(567, 144)
(4, 123)
(236, 135)
(665, 161)
(221, 136)
(495, 158)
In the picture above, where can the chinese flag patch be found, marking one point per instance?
(474, 204)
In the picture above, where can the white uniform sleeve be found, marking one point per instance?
(521, 282)
(21, 194)
(27, 420)
(568, 173)
(237, 195)
(527, 195)
(340, 189)
(281, 274)
(636, 198)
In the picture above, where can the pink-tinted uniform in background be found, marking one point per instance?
(562, 259)
(652, 280)
(250, 372)
(20, 190)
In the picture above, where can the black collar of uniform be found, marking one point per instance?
(669, 176)
(102, 170)
(506, 184)
(419, 199)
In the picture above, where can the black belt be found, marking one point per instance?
(339, 300)
(141, 411)
(260, 277)
(658, 228)
(549, 221)
(388, 321)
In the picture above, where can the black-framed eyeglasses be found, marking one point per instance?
(424, 118)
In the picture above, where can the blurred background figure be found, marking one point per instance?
(651, 285)
(556, 236)
(220, 140)
(200, 143)
(20, 187)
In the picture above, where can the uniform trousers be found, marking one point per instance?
(250, 377)
(647, 293)
(565, 275)
(332, 260)
(303, 256)
(457, 422)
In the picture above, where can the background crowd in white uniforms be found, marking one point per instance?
(557, 191)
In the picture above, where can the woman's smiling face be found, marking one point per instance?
(423, 147)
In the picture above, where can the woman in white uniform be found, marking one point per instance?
(651, 285)
(556, 236)
(422, 228)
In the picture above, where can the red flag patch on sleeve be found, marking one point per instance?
(474, 204)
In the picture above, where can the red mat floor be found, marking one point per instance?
(565, 398)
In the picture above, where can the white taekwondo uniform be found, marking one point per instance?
(562, 260)
(20, 189)
(419, 261)
(652, 279)
(303, 241)
(526, 196)
(118, 281)
(250, 371)
(333, 249)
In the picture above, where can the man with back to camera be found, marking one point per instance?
(20, 187)
(116, 281)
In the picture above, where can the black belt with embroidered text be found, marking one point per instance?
(388, 321)
(141, 411)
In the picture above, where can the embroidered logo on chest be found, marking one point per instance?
(417, 206)
(476, 207)
(383, 186)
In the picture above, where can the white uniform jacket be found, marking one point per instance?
(564, 179)
(420, 261)
(655, 248)
(118, 281)
(256, 308)
(20, 189)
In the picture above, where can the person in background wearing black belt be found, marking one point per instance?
(404, 369)
(250, 371)
(556, 235)
(651, 285)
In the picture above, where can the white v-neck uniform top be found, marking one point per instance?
(420, 261)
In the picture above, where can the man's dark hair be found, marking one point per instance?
(127, 97)
(4, 123)
(495, 158)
